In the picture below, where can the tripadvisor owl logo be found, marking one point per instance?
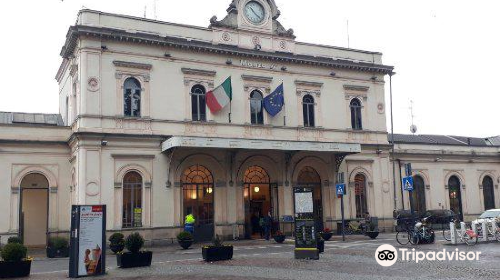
(386, 255)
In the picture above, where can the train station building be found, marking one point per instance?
(159, 120)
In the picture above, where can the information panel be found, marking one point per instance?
(88, 241)
(305, 231)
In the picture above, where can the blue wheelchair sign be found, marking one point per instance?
(408, 183)
(340, 189)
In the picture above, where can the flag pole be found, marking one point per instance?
(284, 103)
(231, 100)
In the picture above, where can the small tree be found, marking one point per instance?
(134, 243)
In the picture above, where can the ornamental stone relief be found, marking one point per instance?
(204, 129)
(257, 132)
(133, 124)
(93, 84)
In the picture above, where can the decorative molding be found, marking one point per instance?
(308, 84)
(118, 185)
(132, 156)
(356, 88)
(53, 189)
(256, 78)
(148, 185)
(93, 84)
(428, 187)
(136, 65)
(198, 72)
(15, 190)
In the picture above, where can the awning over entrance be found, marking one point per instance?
(251, 144)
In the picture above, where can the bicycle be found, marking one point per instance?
(354, 228)
(468, 237)
(422, 232)
(405, 231)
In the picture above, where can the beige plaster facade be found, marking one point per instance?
(86, 159)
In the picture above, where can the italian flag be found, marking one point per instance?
(218, 98)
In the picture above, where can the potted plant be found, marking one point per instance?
(327, 234)
(372, 231)
(58, 248)
(134, 257)
(217, 251)
(15, 264)
(116, 242)
(279, 237)
(185, 239)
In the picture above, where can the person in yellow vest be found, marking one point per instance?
(189, 223)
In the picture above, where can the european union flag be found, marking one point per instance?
(274, 102)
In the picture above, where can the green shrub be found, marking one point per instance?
(217, 241)
(14, 239)
(58, 243)
(117, 239)
(184, 236)
(14, 252)
(134, 242)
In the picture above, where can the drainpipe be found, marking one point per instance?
(392, 141)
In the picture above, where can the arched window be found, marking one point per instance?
(308, 110)
(360, 192)
(418, 194)
(356, 118)
(455, 195)
(132, 200)
(198, 103)
(257, 114)
(132, 98)
(488, 193)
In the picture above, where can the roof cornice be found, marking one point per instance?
(200, 46)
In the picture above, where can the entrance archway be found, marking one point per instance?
(418, 194)
(34, 216)
(258, 197)
(198, 199)
(455, 196)
(309, 178)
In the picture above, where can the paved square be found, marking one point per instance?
(354, 259)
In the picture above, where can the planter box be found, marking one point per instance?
(129, 260)
(279, 238)
(214, 254)
(185, 244)
(15, 269)
(372, 234)
(327, 235)
(53, 253)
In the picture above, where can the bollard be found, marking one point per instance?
(486, 234)
(453, 233)
(462, 229)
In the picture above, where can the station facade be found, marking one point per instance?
(135, 133)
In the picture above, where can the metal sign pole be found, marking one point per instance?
(409, 171)
(340, 180)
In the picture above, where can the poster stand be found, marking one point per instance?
(306, 246)
(88, 241)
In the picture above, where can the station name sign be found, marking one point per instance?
(259, 65)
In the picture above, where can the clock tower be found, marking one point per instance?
(253, 24)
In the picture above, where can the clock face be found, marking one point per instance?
(255, 12)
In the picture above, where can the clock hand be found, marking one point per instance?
(254, 12)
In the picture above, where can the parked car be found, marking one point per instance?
(488, 215)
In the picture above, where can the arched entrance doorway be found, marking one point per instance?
(488, 193)
(455, 196)
(33, 219)
(198, 199)
(309, 178)
(258, 196)
(418, 195)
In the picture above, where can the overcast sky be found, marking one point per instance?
(446, 52)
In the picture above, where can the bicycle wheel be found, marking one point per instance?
(403, 237)
(497, 235)
(447, 234)
(469, 240)
(414, 238)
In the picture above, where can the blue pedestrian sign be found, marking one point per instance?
(340, 189)
(408, 183)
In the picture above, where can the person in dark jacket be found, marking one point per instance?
(268, 222)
